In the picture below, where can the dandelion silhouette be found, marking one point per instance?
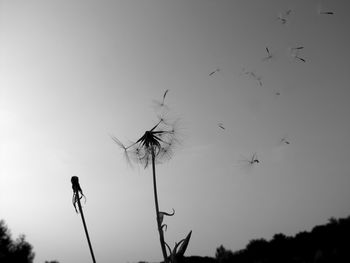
(77, 196)
(154, 146)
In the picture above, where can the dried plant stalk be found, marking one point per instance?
(77, 196)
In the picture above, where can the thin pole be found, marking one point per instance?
(86, 231)
(160, 230)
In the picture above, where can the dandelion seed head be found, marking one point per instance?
(77, 191)
(158, 142)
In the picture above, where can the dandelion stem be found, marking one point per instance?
(86, 230)
(160, 230)
(77, 195)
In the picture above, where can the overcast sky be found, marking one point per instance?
(74, 72)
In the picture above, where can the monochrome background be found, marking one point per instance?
(72, 73)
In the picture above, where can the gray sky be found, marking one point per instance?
(73, 72)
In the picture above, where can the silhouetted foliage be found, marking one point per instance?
(323, 244)
(222, 255)
(327, 243)
(198, 259)
(19, 250)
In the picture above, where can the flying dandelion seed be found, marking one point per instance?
(247, 163)
(254, 159)
(161, 104)
(326, 13)
(252, 75)
(294, 52)
(284, 140)
(221, 125)
(321, 12)
(282, 17)
(300, 58)
(277, 93)
(269, 55)
(213, 72)
(258, 79)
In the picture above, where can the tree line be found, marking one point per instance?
(324, 243)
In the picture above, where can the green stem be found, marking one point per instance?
(86, 231)
(160, 230)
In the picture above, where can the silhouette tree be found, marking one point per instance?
(258, 249)
(223, 255)
(324, 243)
(18, 251)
